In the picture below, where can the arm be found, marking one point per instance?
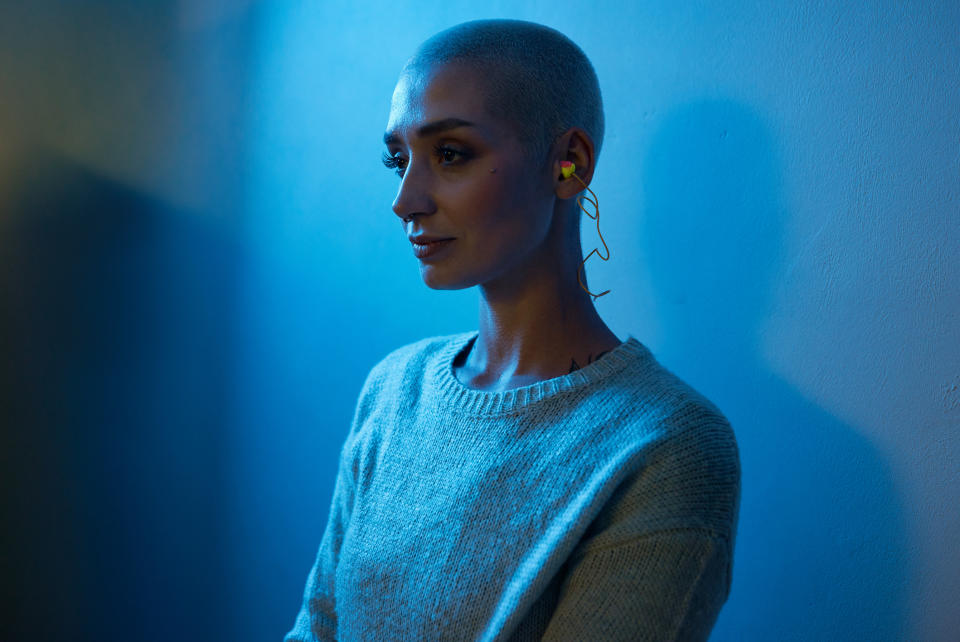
(317, 619)
(657, 562)
(668, 585)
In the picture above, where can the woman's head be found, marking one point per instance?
(531, 99)
(535, 80)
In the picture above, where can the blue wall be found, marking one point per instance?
(199, 265)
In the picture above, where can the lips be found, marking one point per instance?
(423, 239)
(429, 249)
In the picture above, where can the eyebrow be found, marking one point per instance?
(431, 128)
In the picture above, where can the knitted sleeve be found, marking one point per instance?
(317, 618)
(663, 586)
(657, 563)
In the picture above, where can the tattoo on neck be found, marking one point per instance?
(575, 366)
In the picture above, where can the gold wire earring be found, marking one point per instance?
(567, 170)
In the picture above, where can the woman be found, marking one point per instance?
(536, 478)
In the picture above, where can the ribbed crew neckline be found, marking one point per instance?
(460, 398)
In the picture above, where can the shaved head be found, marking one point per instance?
(538, 82)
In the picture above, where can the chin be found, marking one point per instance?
(434, 279)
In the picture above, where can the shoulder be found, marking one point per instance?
(650, 404)
(686, 446)
(398, 376)
(652, 395)
(699, 431)
(393, 384)
(411, 358)
(683, 468)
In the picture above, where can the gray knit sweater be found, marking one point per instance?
(599, 505)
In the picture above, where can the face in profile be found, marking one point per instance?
(443, 146)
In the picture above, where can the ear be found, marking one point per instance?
(576, 146)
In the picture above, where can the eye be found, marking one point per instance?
(442, 152)
(393, 162)
(446, 155)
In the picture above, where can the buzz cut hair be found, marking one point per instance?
(539, 83)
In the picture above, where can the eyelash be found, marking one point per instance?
(393, 162)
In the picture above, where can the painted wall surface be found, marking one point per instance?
(199, 266)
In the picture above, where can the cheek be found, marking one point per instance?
(493, 214)
(499, 199)
(493, 201)
(475, 205)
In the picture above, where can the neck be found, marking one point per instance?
(535, 329)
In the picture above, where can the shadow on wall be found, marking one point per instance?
(115, 330)
(820, 550)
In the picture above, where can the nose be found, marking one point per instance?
(413, 195)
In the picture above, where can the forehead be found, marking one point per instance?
(446, 91)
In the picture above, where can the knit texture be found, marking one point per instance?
(599, 505)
